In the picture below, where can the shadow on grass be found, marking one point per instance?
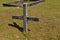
(17, 26)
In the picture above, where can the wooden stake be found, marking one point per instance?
(25, 17)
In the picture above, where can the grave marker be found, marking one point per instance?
(25, 16)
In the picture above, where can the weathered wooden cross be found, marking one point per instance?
(25, 16)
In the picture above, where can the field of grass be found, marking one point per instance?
(48, 28)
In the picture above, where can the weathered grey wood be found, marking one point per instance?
(36, 2)
(17, 17)
(36, 19)
(25, 17)
(13, 4)
(19, 3)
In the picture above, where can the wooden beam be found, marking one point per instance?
(28, 18)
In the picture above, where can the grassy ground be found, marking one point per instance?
(48, 28)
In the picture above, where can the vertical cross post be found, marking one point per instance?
(25, 17)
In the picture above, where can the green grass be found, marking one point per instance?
(48, 28)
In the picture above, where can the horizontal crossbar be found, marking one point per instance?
(28, 18)
(13, 4)
(20, 3)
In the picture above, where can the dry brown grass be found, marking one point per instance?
(48, 28)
